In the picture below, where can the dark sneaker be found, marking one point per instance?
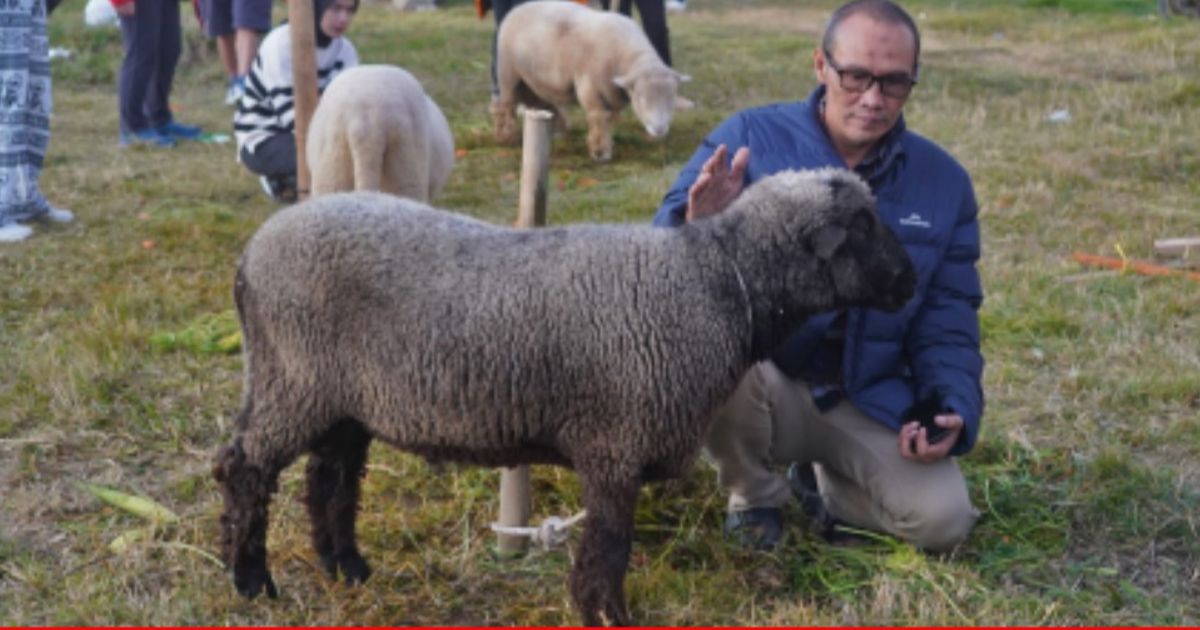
(760, 529)
(281, 188)
(803, 480)
(148, 137)
(180, 132)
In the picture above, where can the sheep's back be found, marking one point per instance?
(554, 45)
(487, 337)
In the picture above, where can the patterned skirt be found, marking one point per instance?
(24, 107)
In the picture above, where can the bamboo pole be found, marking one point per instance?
(515, 500)
(304, 84)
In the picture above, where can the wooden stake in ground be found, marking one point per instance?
(1178, 247)
(304, 83)
(515, 501)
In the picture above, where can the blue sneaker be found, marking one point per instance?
(150, 137)
(177, 131)
(234, 91)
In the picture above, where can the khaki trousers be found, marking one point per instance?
(771, 420)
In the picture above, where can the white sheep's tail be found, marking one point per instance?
(552, 532)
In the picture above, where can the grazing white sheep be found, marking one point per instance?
(602, 348)
(375, 128)
(551, 53)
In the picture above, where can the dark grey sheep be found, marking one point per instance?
(602, 348)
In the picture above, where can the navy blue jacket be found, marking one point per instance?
(926, 198)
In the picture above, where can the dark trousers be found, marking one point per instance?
(274, 157)
(654, 22)
(500, 8)
(152, 48)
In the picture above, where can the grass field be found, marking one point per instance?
(1088, 468)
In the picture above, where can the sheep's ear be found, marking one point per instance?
(623, 82)
(683, 103)
(827, 240)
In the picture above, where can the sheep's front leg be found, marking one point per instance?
(247, 490)
(503, 109)
(335, 467)
(602, 557)
(599, 139)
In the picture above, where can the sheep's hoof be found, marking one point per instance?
(251, 582)
(602, 156)
(351, 564)
(354, 568)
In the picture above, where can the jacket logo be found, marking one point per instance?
(915, 220)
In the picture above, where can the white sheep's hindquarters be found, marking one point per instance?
(601, 348)
(375, 128)
(550, 54)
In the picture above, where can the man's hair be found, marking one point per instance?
(884, 11)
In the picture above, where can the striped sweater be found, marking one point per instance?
(265, 108)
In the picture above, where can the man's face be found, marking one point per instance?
(858, 119)
(336, 18)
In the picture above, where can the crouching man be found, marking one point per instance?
(842, 400)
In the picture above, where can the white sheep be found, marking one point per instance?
(375, 128)
(601, 348)
(551, 53)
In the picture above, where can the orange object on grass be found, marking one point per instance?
(1136, 266)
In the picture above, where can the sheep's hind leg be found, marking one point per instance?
(602, 557)
(335, 468)
(247, 489)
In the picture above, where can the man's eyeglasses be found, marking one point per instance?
(858, 80)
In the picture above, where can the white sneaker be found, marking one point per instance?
(676, 5)
(59, 215)
(234, 92)
(13, 232)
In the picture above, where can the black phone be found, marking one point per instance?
(923, 411)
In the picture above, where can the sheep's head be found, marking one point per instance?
(848, 257)
(654, 96)
(866, 263)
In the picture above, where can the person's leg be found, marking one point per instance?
(27, 128)
(741, 439)
(500, 8)
(274, 160)
(227, 51)
(251, 18)
(771, 420)
(139, 33)
(866, 483)
(169, 46)
(275, 156)
(158, 97)
(247, 48)
(217, 17)
(654, 22)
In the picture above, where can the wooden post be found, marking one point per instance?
(1178, 247)
(515, 501)
(535, 166)
(304, 84)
